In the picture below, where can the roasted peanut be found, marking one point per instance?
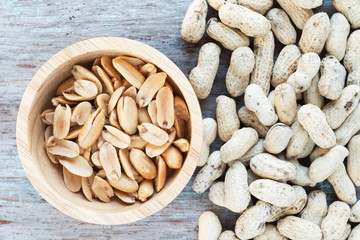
(249, 22)
(173, 157)
(285, 64)
(282, 26)
(230, 38)
(333, 159)
(338, 110)
(312, 94)
(316, 207)
(239, 143)
(249, 119)
(352, 58)
(264, 58)
(350, 8)
(203, 75)
(209, 135)
(332, 78)
(334, 224)
(256, 101)
(315, 33)
(343, 186)
(313, 120)
(277, 138)
(227, 120)
(193, 25)
(275, 193)
(299, 229)
(209, 226)
(336, 43)
(353, 161)
(298, 15)
(212, 170)
(308, 67)
(241, 65)
(252, 222)
(285, 103)
(267, 166)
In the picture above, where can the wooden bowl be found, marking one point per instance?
(47, 177)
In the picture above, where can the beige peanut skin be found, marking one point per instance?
(351, 9)
(285, 65)
(353, 161)
(239, 143)
(332, 160)
(230, 38)
(282, 26)
(299, 229)
(249, 119)
(313, 120)
(343, 186)
(285, 103)
(271, 233)
(294, 208)
(249, 22)
(298, 15)
(228, 235)
(264, 47)
(316, 207)
(332, 80)
(355, 213)
(241, 65)
(338, 110)
(275, 193)
(352, 58)
(336, 43)
(237, 196)
(213, 169)
(308, 67)
(209, 226)
(315, 33)
(312, 94)
(203, 75)
(349, 128)
(334, 224)
(309, 4)
(260, 6)
(298, 141)
(256, 101)
(209, 135)
(252, 222)
(228, 121)
(258, 148)
(302, 177)
(268, 166)
(193, 25)
(278, 138)
(355, 233)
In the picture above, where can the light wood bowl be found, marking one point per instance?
(47, 177)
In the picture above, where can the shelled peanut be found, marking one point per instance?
(299, 124)
(116, 129)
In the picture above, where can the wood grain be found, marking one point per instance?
(33, 31)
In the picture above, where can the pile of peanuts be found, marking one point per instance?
(312, 113)
(118, 129)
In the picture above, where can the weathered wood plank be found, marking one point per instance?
(30, 33)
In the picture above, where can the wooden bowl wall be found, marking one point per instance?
(47, 177)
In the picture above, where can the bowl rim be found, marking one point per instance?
(147, 53)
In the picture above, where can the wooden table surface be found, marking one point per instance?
(30, 33)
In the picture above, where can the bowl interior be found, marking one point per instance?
(49, 180)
